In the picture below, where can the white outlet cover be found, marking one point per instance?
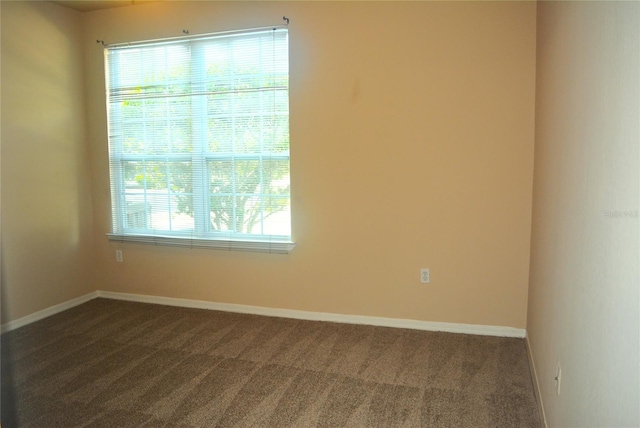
(425, 276)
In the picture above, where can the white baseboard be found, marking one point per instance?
(536, 385)
(483, 330)
(47, 312)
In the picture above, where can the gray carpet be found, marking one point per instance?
(109, 363)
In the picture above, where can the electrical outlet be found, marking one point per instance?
(425, 276)
(119, 256)
(558, 378)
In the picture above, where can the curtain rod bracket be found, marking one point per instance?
(286, 19)
(101, 42)
(185, 32)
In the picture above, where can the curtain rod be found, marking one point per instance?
(188, 36)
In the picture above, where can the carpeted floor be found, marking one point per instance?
(110, 363)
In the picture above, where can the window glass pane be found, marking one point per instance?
(131, 137)
(221, 214)
(248, 176)
(250, 196)
(219, 105)
(239, 124)
(163, 192)
(248, 213)
(220, 135)
(247, 135)
(221, 190)
(275, 134)
(153, 127)
(155, 176)
(133, 174)
(138, 212)
(181, 186)
(277, 216)
(276, 176)
(221, 176)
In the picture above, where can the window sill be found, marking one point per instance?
(276, 247)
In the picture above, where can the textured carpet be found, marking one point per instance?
(109, 363)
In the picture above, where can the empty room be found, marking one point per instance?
(320, 213)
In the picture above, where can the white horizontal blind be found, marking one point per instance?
(199, 138)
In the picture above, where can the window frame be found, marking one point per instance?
(202, 236)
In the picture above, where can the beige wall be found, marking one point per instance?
(47, 230)
(412, 146)
(584, 297)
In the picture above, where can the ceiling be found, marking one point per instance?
(91, 5)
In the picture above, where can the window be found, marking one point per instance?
(199, 141)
